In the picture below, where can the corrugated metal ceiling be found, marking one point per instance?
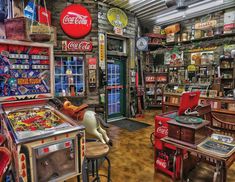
(147, 10)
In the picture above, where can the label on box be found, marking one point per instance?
(30, 11)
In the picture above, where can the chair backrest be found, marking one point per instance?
(219, 123)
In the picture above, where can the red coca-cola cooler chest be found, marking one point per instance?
(166, 158)
(164, 154)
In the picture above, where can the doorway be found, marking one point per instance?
(116, 88)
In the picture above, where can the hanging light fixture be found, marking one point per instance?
(181, 5)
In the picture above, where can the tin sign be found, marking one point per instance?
(76, 21)
(142, 43)
(80, 46)
(117, 18)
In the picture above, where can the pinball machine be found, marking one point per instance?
(46, 145)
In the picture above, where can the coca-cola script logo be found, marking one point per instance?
(77, 45)
(76, 21)
(161, 163)
(162, 130)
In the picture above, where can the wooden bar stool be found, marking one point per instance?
(93, 152)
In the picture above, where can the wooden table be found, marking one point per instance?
(222, 164)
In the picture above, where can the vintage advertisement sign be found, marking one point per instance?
(102, 50)
(78, 46)
(205, 25)
(117, 18)
(76, 21)
(118, 31)
(142, 43)
(92, 63)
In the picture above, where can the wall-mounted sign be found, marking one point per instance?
(82, 45)
(229, 20)
(102, 50)
(118, 31)
(117, 17)
(142, 43)
(92, 63)
(76, 21)
(150, 78)
(205, 25)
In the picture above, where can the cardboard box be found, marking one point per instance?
(172, 28)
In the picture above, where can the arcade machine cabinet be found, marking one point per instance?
(45, 144)
(166, 156)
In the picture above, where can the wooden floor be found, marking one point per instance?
(132, 157)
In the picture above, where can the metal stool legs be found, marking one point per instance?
(95, 169)
(109, 168)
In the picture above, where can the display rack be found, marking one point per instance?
(154, 83)
(227, 73)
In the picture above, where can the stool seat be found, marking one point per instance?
(95, 150)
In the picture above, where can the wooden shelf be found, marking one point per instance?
(159, 105)
(226, 68)
(171, 104)
(202, 39)
(226, 111)
(154, 35)
(226, 78)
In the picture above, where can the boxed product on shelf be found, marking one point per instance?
(172, 28)
(229, 21)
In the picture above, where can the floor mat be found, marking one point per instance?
(129, 125)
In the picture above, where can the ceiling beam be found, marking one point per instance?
(146, 5)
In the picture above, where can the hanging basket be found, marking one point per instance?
(40, 32)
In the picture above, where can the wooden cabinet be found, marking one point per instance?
(187, 134)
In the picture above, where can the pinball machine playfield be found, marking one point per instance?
(46, 145)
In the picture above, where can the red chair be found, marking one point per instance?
(5, 160)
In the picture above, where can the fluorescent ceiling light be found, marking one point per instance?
(191, 10)
(199, 3)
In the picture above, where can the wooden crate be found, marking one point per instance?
(17, 28)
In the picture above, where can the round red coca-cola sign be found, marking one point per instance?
(76, 21)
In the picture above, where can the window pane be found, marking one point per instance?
(69, 74)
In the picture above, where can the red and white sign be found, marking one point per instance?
(76, 21)
(118, 31)
(92, 63)
(150, 78)
(44, 16)
(83, 45)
